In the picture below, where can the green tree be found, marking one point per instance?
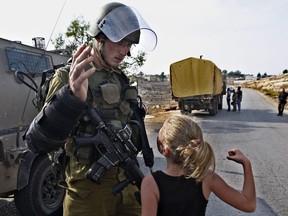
(132, 63)
(264, 75)
(234, 74)
(224, 74)
(77, 34)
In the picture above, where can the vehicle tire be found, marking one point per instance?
(220, 106)
(42, 195)
(213, 112)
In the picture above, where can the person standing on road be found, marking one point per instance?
(234, 99)
(228, 99)
(239, 98)
(282, 102)
(94, 81)
(184, 187)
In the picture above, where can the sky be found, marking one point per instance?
(245, 35)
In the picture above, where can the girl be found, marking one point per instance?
(184, 187)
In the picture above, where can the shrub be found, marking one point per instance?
(270, 92)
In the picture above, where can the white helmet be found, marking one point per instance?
(118, 21)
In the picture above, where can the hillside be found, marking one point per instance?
(157, 97)
(270, 86)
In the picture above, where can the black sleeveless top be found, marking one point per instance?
(179, 196)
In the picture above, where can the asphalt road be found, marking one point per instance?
(259, 133)
(262, 136)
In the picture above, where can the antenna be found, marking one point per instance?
(56, 23)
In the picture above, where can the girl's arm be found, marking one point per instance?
(244, 200)
(149, 196)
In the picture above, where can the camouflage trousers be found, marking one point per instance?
(86, 198)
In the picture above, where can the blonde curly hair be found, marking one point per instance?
(184, 138)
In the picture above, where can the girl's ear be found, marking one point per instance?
(159, 145)
(162, 149)
(165, 151)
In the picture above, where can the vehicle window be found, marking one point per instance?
(27, 61)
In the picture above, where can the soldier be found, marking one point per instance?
(94, 80)
(282, 101)
(239, 98)
(228, 98)
(234, 99)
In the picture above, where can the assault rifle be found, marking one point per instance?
(116, 148)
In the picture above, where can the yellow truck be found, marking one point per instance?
(197, 85)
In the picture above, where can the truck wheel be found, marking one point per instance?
(213, 112)
(42, 195)
(220, 106)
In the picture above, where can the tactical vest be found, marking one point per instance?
(112, 96)
(109, 93)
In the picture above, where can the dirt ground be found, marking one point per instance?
(157, 98)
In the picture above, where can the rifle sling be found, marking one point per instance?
(147, 151)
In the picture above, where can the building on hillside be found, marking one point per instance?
(152, 78)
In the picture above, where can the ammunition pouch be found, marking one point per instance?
(131, 93)
(111, 93)
(85, 154)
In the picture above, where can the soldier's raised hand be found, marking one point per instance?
(78, 77)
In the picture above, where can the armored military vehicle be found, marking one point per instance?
(25, 176)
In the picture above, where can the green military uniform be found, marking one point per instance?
(108, 90)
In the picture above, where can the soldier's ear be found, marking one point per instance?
(129, 54)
